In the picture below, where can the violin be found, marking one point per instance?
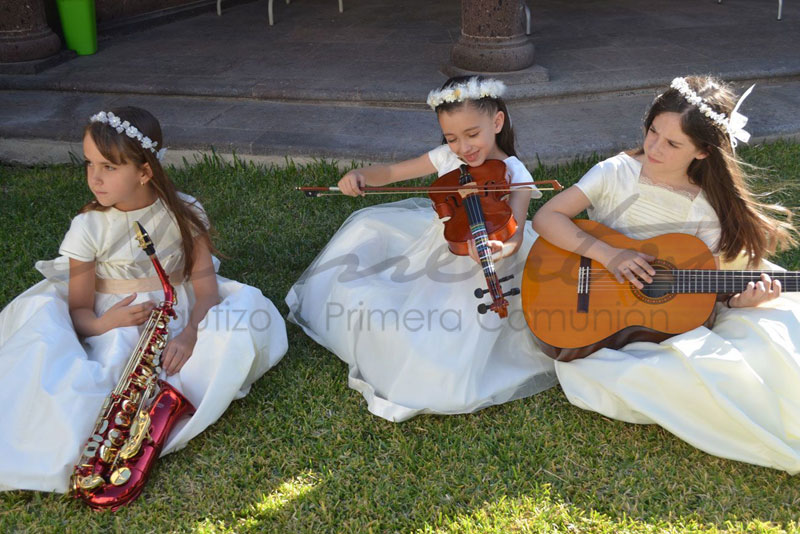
(478, 214)
(472, 203)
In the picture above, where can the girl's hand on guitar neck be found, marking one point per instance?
(763, 291)
(626, 264)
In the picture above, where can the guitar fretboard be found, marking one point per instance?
(708, 281)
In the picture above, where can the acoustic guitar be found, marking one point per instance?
(574, 306)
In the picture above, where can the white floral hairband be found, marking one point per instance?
(472, 89)
(734, 126)
(107, 117)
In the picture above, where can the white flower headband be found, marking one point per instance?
(107, 117)
(472, 89)
(734, 126)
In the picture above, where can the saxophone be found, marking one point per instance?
(136, 417)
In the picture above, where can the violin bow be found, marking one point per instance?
(554, 185)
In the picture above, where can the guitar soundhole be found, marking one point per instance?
(660, 289)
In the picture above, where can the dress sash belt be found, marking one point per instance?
(134, 285)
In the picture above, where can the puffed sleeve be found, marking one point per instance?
(80, 242)
(444, 159)
(593, 184)
(517, 173)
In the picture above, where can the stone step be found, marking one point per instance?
(49, 124)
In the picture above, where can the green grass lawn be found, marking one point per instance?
(301, 453)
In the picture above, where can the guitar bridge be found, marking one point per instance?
(584, 281)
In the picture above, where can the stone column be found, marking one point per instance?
(24, 34)
(492, 37)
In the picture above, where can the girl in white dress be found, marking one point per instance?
(388, 297)
(732, 390)
(65, 341)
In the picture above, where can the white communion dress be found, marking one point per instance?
(388, 298)
(732, 390)
(53, 382)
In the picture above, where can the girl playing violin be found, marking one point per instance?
(389, 298)
(731, 390)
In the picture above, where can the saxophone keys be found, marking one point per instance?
(91, 449)
(122, 419)
(120, 476)
(107, 453)
(140, 381)
(90, 482)
(140, 431)
(116, 437)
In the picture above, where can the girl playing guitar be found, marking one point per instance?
(731, 390)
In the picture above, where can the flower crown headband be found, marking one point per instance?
(472, 89)
(734, 126)
(107, 117)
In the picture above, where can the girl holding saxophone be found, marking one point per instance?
(65, 341)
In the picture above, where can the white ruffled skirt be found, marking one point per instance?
(388, 298)
(52, 383)
(732, 391)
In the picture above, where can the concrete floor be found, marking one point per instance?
(352, 85)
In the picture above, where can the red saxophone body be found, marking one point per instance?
(136, 418)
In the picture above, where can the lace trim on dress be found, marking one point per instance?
(683, 192)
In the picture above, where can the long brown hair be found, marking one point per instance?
(505, 137)
(747, 225)
(121, 149)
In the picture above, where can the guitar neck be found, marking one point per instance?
(708, 281)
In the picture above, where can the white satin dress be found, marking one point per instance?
(53, 382)
(388, 298)
(732, 390)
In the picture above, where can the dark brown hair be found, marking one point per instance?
(120, 149)
(505, 137)
(747, 225)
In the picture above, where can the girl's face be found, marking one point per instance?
(470, 133)
(123, 186)
(667, 149)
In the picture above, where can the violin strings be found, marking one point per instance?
(481, 238)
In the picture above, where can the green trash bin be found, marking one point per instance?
(79, 25)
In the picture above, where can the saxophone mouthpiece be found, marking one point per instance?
(144, 239)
